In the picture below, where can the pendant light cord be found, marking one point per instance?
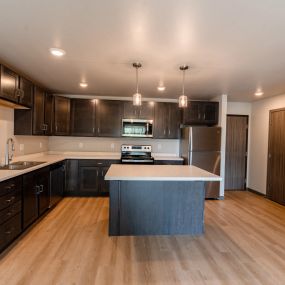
(183, 82)
(137, 80)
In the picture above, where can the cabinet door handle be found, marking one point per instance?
(10, 187)
(169, 132)
(43, 127)
(37, 189)
(93, 130)
(102, 173)
(97, 173)
(41, 188)
(164, 132)
(98, 129)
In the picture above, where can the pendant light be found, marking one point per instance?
(137, 97)
(183, 100)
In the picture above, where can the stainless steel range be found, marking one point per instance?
(136, 154)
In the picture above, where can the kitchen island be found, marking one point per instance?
(157, 199)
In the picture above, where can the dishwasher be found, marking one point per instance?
(57, 183)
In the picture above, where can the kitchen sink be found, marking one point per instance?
(20, 165)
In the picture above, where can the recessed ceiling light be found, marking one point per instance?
(258, 92)
(83, 84)
(161, 88)
(57, 52)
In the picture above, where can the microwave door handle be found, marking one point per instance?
(147, 129)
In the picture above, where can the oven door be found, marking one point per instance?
(137, 128)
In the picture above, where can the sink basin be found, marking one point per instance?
(20, 165)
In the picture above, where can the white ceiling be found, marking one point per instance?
(233, 47)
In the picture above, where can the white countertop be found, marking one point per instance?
(53, 157)
(159, 173)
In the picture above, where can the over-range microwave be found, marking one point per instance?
(137, 128)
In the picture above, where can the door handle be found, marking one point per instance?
(102, 173)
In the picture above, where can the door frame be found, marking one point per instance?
(246, 157)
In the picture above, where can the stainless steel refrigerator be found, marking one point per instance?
(201, 146)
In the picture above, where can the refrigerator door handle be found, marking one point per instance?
(190, 157)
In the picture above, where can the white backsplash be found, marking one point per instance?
(78, 144)
(23, 144)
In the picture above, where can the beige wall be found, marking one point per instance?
(110, 144)
(28, 144)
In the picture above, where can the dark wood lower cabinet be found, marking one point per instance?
(168, 162)
(10, 210)
(85, 177)
(35, 195)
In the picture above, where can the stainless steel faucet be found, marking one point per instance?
(8, 155)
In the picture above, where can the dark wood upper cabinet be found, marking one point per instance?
(39, 111)
(167, 121)
(9, 84)
(145, 111)
(82, 117)
(48, 125)
(38, 120)
(26, 96)
(61, 116)
(201, 113)
(108, 118)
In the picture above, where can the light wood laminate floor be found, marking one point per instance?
(244, 243)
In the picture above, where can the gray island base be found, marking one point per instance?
(144, 202)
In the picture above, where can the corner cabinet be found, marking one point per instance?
(201, 113)
(108, 118)
(167, 121)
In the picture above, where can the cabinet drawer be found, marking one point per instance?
(10, 185)
(11, 211)
(9, 199)
(10, 230)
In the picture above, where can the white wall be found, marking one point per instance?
(243, 108)
(110, 144)
(259, 141)
(30, 144)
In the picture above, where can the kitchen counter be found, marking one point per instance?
(159, 173)
(157, 199)
(54, 157)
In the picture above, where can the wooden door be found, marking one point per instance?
(236, 152)
(38, 111)
(48, 114)
(9, 84)
(146, 111)
(160, 120)
(61, 116)
(130, 111)
(276, 157)
(191, 114)
(174, 121)
(108, 118)
(30, 199)
(26, 97)
(44, 193)
(82, 117)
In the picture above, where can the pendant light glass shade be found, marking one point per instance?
(137, 97)
(183, 100)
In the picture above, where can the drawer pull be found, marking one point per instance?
(9, 214)
(10, 200)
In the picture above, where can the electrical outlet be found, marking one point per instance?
(80, 145)
(22, 147)
(41, 145)
(112, 146)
